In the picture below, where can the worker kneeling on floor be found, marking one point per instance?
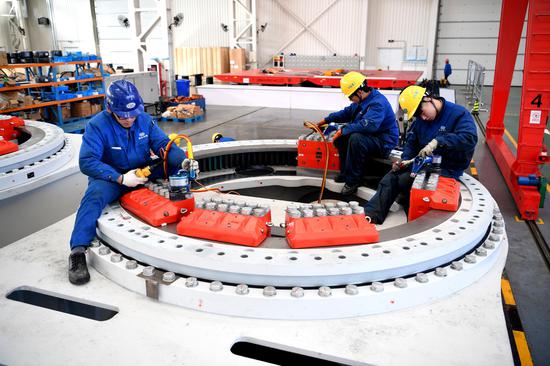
(116, 143)
(442, 128)
(370, 130)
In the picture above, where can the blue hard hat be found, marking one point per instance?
(123, 99)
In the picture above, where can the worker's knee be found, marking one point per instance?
(101, 192)
(355, 140)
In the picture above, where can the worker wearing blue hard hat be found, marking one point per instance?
(441, 128)
(116, 142)
(370, 130)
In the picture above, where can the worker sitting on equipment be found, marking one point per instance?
(218, 137)
(116, 142)
(371, 130)
(441, 128)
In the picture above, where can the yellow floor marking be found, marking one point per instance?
(507, 292)
(518, 219)
(523, 348)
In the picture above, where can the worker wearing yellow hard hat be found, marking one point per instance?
(368, 130)
(441, 128)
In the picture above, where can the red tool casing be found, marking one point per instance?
(153, 208)
(311, 154)
(8, 132)
(444, 197)
(325, 231)
(225, 227)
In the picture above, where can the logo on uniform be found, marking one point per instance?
(130, 105)
(442, 129)
(142, 135)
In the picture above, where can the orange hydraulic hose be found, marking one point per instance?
(173, 138)
(314, 127)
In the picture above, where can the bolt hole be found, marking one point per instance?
(386, 251)
(438, 238)
(342, 256)
(198, 250)
(406, 248)
(318, 258)
(293, 258)
(244, 256)
(365, 254)
(423, 243)
(221, 253)
(269, 258)
(179, 246)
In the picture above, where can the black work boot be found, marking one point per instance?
(78, 271)
(339, 178)
(348, 190)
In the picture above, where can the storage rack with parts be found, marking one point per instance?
(55, 92)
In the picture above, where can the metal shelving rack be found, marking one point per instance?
(55, 105)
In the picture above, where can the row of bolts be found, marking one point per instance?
(325, 291)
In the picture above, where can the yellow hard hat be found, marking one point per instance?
(216, 136)
(351, 82)
(410, 98)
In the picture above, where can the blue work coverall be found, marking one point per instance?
(447, 71)
(109, 150)
(371, 132)
(456, 135)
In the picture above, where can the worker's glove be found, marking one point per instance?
(337, 135)
(130, 179)
(428, 149)
(190, 165)
(401, 164)
(321, 123)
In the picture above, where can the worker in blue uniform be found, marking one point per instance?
(447, 71)
(442, 128)
(370, 130)
(116, 142)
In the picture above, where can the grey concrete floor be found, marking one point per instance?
(525, 267)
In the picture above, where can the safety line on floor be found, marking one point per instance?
(518, 342)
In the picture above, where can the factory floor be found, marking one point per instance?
(526, 268)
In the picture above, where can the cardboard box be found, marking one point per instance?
(237, 59)
(95, 108)
(81, 109)
(34, 116)
(3, 58)
(28, 100)
(65, 111)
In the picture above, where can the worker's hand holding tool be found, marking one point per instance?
(321, 123)
(130, 179)
(428, 149)
(401, 164)
(190, 165)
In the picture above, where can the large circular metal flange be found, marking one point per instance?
(46, 139)
(429, 242)
(272, 302)
(45, 152)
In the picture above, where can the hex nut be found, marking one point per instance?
(104, 251)
(421, 277)
(148, 271)
(441, 272)
(270, 291)
(131, 264)
(482, 252)
(351, 290)
(169, 277)
(400, 282)
(470, 258)
(297, 292)
(457, 266)
(191, 282)
(216, 286)
(377, 286)
(324, 291)
(242, 289)
(116, 258)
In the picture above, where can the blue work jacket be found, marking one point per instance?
(109, 150)
(456, 135)
(373, 116)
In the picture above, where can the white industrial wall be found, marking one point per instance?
(115, 41)
(4, 28)
(341, 24)
(413, 22)
(201, 25)
(73, 25)
(468, 29)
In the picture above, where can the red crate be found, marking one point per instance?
(326, 231)
(445, 197)
(153, 208)
(225, 227)
(311, 154)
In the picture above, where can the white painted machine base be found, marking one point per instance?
(329, 99)
(466, 328)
